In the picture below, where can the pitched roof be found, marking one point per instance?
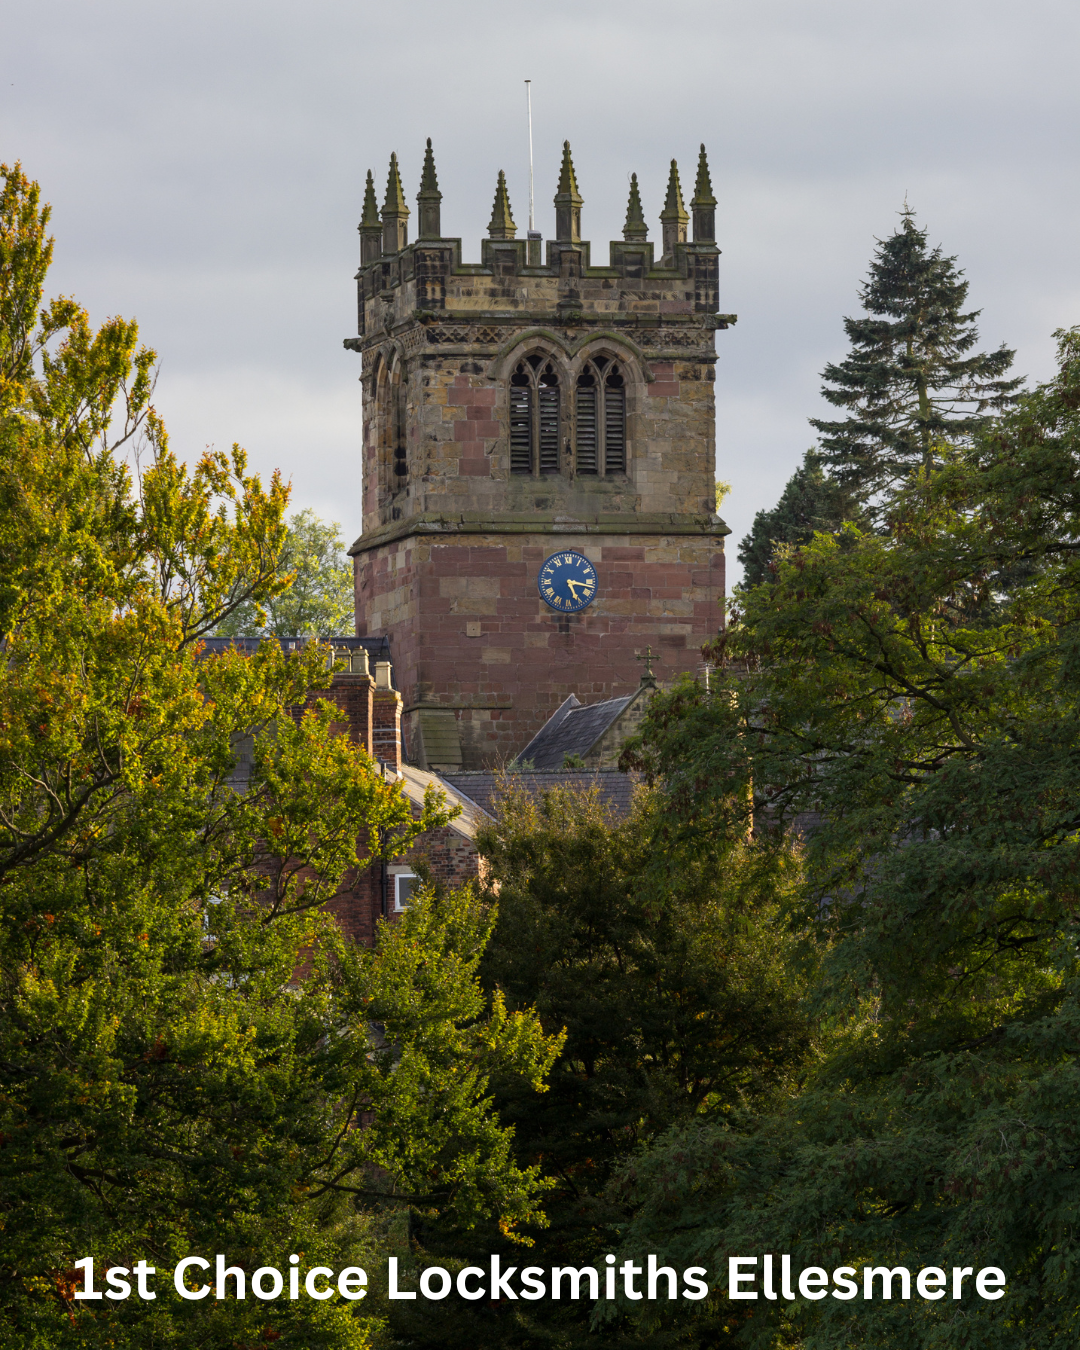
(483, 787)
(415, 783)
(573, 729)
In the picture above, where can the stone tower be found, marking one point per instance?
(524, 405)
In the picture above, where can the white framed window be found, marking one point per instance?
(404, 885)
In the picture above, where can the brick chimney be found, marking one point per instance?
(386, 719)
(353, 692)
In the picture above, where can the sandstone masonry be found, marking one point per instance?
(521, 406)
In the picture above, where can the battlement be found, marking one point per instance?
(527, 404)
(521, 282)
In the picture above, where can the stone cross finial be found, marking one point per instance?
(568, 201)
(635, 227)
(673, 215)
(370, 226)
(703, 204)
(501, 225)
(648, 656)
(395, 214)
(429, 199)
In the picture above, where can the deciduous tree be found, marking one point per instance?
(318, 599)
(908, 704)
(192, 1059)
(680, 993)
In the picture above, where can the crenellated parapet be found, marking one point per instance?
(528, 405)
(521, 281)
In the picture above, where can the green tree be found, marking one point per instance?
(192, 1059)
(911, 380)
(673, 977)
(318, 600)
(811, 502)
(918, 723)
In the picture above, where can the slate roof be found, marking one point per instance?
(616, 789)
(573, 729)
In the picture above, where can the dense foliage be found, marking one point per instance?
(192, 1061)
(679, 998)
(811, 503)
(907, 701)
(318, 599)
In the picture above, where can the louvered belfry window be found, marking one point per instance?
(521, 419)
(586, 422)
(600, 419)
(534, 417)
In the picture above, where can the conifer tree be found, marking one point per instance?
(912, 378)
(811, 502)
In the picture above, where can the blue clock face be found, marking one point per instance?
(567, 582)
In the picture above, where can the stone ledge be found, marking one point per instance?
(473, 523)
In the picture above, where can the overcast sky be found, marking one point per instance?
(205, 162)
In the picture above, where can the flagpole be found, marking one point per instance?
(528, 101)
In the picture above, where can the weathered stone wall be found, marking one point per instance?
(453, 407)
(473, 640)
(606, 752)
(452, 542)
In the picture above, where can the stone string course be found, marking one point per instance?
(452, 541)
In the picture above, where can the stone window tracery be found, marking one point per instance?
(391, 416)
(534, 416)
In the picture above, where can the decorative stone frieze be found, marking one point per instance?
(614, 429)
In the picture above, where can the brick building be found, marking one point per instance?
(371, 717)
(530, 404)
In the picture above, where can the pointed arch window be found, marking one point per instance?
(534, 417)
(600, 418)
(398, 422)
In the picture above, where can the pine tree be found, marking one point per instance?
(812, 501)
(909, 382)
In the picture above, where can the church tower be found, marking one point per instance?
(529, 406)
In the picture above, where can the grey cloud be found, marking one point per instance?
(206, 162)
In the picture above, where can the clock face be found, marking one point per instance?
(567, 582)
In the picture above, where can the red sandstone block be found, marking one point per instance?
(485, 430)
(494, 555)
(474, 468)
(489, 567)
(613, 553)
(484, 398)
(664, 389)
